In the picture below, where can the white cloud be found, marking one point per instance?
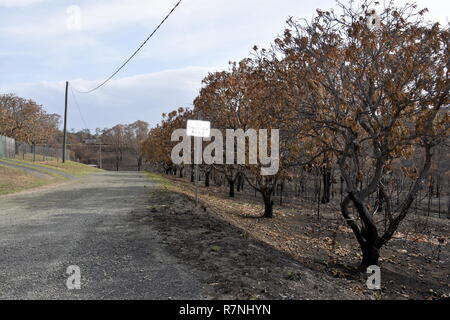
(102, 16)
(18, 3)
(122, 100)
(98, 17)
(108, 15)
(201, 32)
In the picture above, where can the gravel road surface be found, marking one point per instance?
(88, 222)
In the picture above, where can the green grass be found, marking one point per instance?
(14, 180)
(28, 164)
(159, 179)
(69, 167)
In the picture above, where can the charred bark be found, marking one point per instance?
(326, 176)
(207, 176)
(268, 205)
(231, 185)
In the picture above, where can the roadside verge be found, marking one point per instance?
(21, 175)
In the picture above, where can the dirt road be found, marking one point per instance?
(131, 241)
(87, 223)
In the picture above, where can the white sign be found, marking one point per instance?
(196, 128)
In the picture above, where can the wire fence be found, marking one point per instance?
(430, 201)
(9, 148)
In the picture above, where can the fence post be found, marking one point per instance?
(65, 125)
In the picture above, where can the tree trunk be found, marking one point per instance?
(192, 173)
(370, 256)
(430, 194)
(380, 200)
(181, 172)
(367, 236)
(281, 193)
(207, 175)
(268, 205)
(240, 182)
(438, 188)
(231, 183)
(139, 164)
(326, 175)
(448, 209)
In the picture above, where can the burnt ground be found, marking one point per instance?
(232, 263)
(414, 264)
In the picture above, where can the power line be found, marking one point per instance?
(132, 56)
(78, 107)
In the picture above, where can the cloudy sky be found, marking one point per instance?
(42, 46)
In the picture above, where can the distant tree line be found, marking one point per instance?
(121, 145)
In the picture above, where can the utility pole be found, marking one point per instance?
(100, 155)
(197, 161)
(65, 125)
